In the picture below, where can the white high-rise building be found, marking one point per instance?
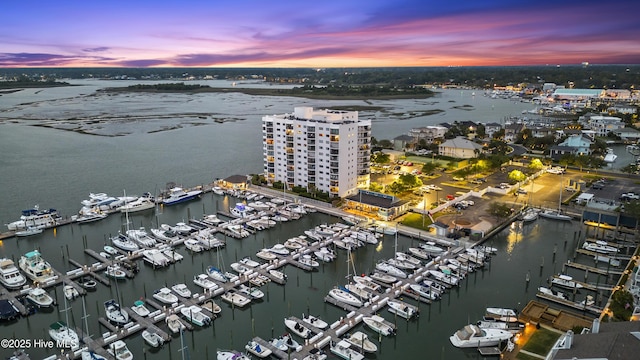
(326, 150)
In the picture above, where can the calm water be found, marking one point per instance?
(59, 168)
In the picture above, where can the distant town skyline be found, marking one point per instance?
(372, 33)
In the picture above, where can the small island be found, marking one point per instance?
(350, 92)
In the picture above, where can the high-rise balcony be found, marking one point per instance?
(334, 145)
(333, 164)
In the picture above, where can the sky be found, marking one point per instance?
(317, 34)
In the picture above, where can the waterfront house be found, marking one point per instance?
(377, 205)
(235, 182)
(460, 148)
(574, 144)
(428, 133)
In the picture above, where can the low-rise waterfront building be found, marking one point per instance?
(428, 133)
(377, 205)
(460, 148)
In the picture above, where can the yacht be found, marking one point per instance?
(120, 351)
(36, 218)
(267, 255)
(63, 334)
(246, 261)
(241, 211)
(87, 215)
(473, 336)
(383, 278)
(367, 283)
(195, 315)
(114, 313)
(193, 245)
(378, 324)
(10, 276)
(29, 231)
(217, 274)
(178, 195)
(420, 253)
(166, 235)
(165, 296)
(279, 249)
(343, 350)
(40, 298)
(141, 237)
(431, 248)
(141, 204)
(239, 268)
(35, 267)
(308, 261)
(502, 314)
(391, 270)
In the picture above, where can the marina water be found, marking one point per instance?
(55, 168)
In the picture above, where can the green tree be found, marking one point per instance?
(374, 186)
(429, 167)
(409, 181)
(500, 210)
(395, 188)
(385, 144)
(535, 164)
(581, 161)
(517, 176)
(380, 158)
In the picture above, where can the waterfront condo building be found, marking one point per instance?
(326, 150)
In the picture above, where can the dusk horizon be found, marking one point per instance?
(333, 34)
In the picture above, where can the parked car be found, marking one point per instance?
(457, 178)
(597, 185)
(629, 196)
(503, 186)
(521, 191)
(570, 189)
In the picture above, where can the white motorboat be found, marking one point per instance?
(63, 334)
(285, 342)
(231, 355)
(607, 260)
(114, 271)
(566, 281)
(530, 214)
(502, 314)
(279, 249)
(140, 309)
(171, 255)
(241, 211)
(359, 290)
(168, 236)
(377, 324)
(114, 313)
(421, 253)
(314, 321)
(344, 296)
(361, 341)
(124, 243)
(367, 283)
(195, 315)
(180, 227)
(87, 215)
(208, 240)
(257, 350)
(152, 338)
(401, 264)
(178, 195)
(282, 277)
(325, 254)
(554, 215)
(120, 351)
(165, 296)
(110, 250)
(600, 247)
(90, 355)
(235, 298)
(442, 277)
(473, 336)
(10, 276)
(193, 245)
(212, 307)
(435, 286)
(205, 282)
(246, 261)
(390, 270)
(251, 291)
(408, 258)
(29, 231)
(383, 278)
(549, 292)
(140, 204)
(298, 328)
(70, 292)
(141, 237)
(88, 284)
(292, 244)
(431, 248)
(402, 310)
(182, 290)
(239, 268)
(365, 236)
(40, 298)
(343, 350)
(175, 324)
(308, 261)
(36, 219)
(424, 291)
(155, 258)
(588, 301)
(35, 267)
(267, 255)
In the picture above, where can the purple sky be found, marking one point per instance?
(328, 33)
